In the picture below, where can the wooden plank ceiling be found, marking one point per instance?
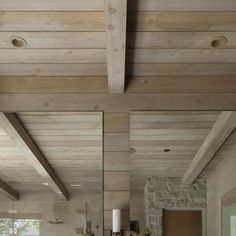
(165, 143)
(70, 141)
(188, 44)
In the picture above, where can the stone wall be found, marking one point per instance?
(169, 193)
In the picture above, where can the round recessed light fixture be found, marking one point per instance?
(18, 42)
(219, 42)
(167, 150)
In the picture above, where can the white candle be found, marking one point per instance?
(116, 221)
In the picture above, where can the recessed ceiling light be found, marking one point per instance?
(219, 42)
(75, 185)
(18, 42)
(45, 184)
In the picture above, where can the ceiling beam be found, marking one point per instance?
(223, 127)
(16, 130)
(9, 191)
(116, 16)
(118, 102)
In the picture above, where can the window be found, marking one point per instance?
(21, 227)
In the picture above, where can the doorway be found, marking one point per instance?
(182, 223)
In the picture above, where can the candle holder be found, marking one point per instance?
(116, 233)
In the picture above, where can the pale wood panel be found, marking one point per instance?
(182, 21)
(52, 5)
(178, 40)
(116, 161)
(116, 200)
(115, 103)
(52, 21)
(179, 56)
(207, 84)
(60, 117)
(53, 84)
(53, 56)
(132, 70)
(116, 180)
(116, 142)
(173, 125)
(178, 116)
(165, 143)
(53, 70)
(124, 220)
(116, 16)
(180, 69)
(98, 5)
(116, 122)
(183, 5)
(56, 39)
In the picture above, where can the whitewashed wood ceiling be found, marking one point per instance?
(70, 141)
(165, 143)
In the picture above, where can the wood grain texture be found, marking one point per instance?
(178, 40)
(187, 56)
(180, 69)
(116, 161)
(116, 180)
(98, 5)
(53, 70)
(116, 122)
(52, 40)
(53, 56)
(53, 85)
(116, 200)
(182, 21)
(165, 143)
(116, 15)
(118, 103)
(52, 21)
(116, 142)
(203, 84)
(52, 5)
(183, 5)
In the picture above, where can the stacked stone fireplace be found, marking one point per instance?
(169, 193)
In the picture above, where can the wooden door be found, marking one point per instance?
(182, 223)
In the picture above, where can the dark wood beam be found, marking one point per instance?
(16, 130)
(9, 191)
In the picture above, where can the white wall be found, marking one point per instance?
(48, 207)
(220, 181)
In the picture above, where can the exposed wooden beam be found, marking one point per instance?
(117, 102)
(116, 16)
(9, 191)
(221, 130)
(15, 129)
